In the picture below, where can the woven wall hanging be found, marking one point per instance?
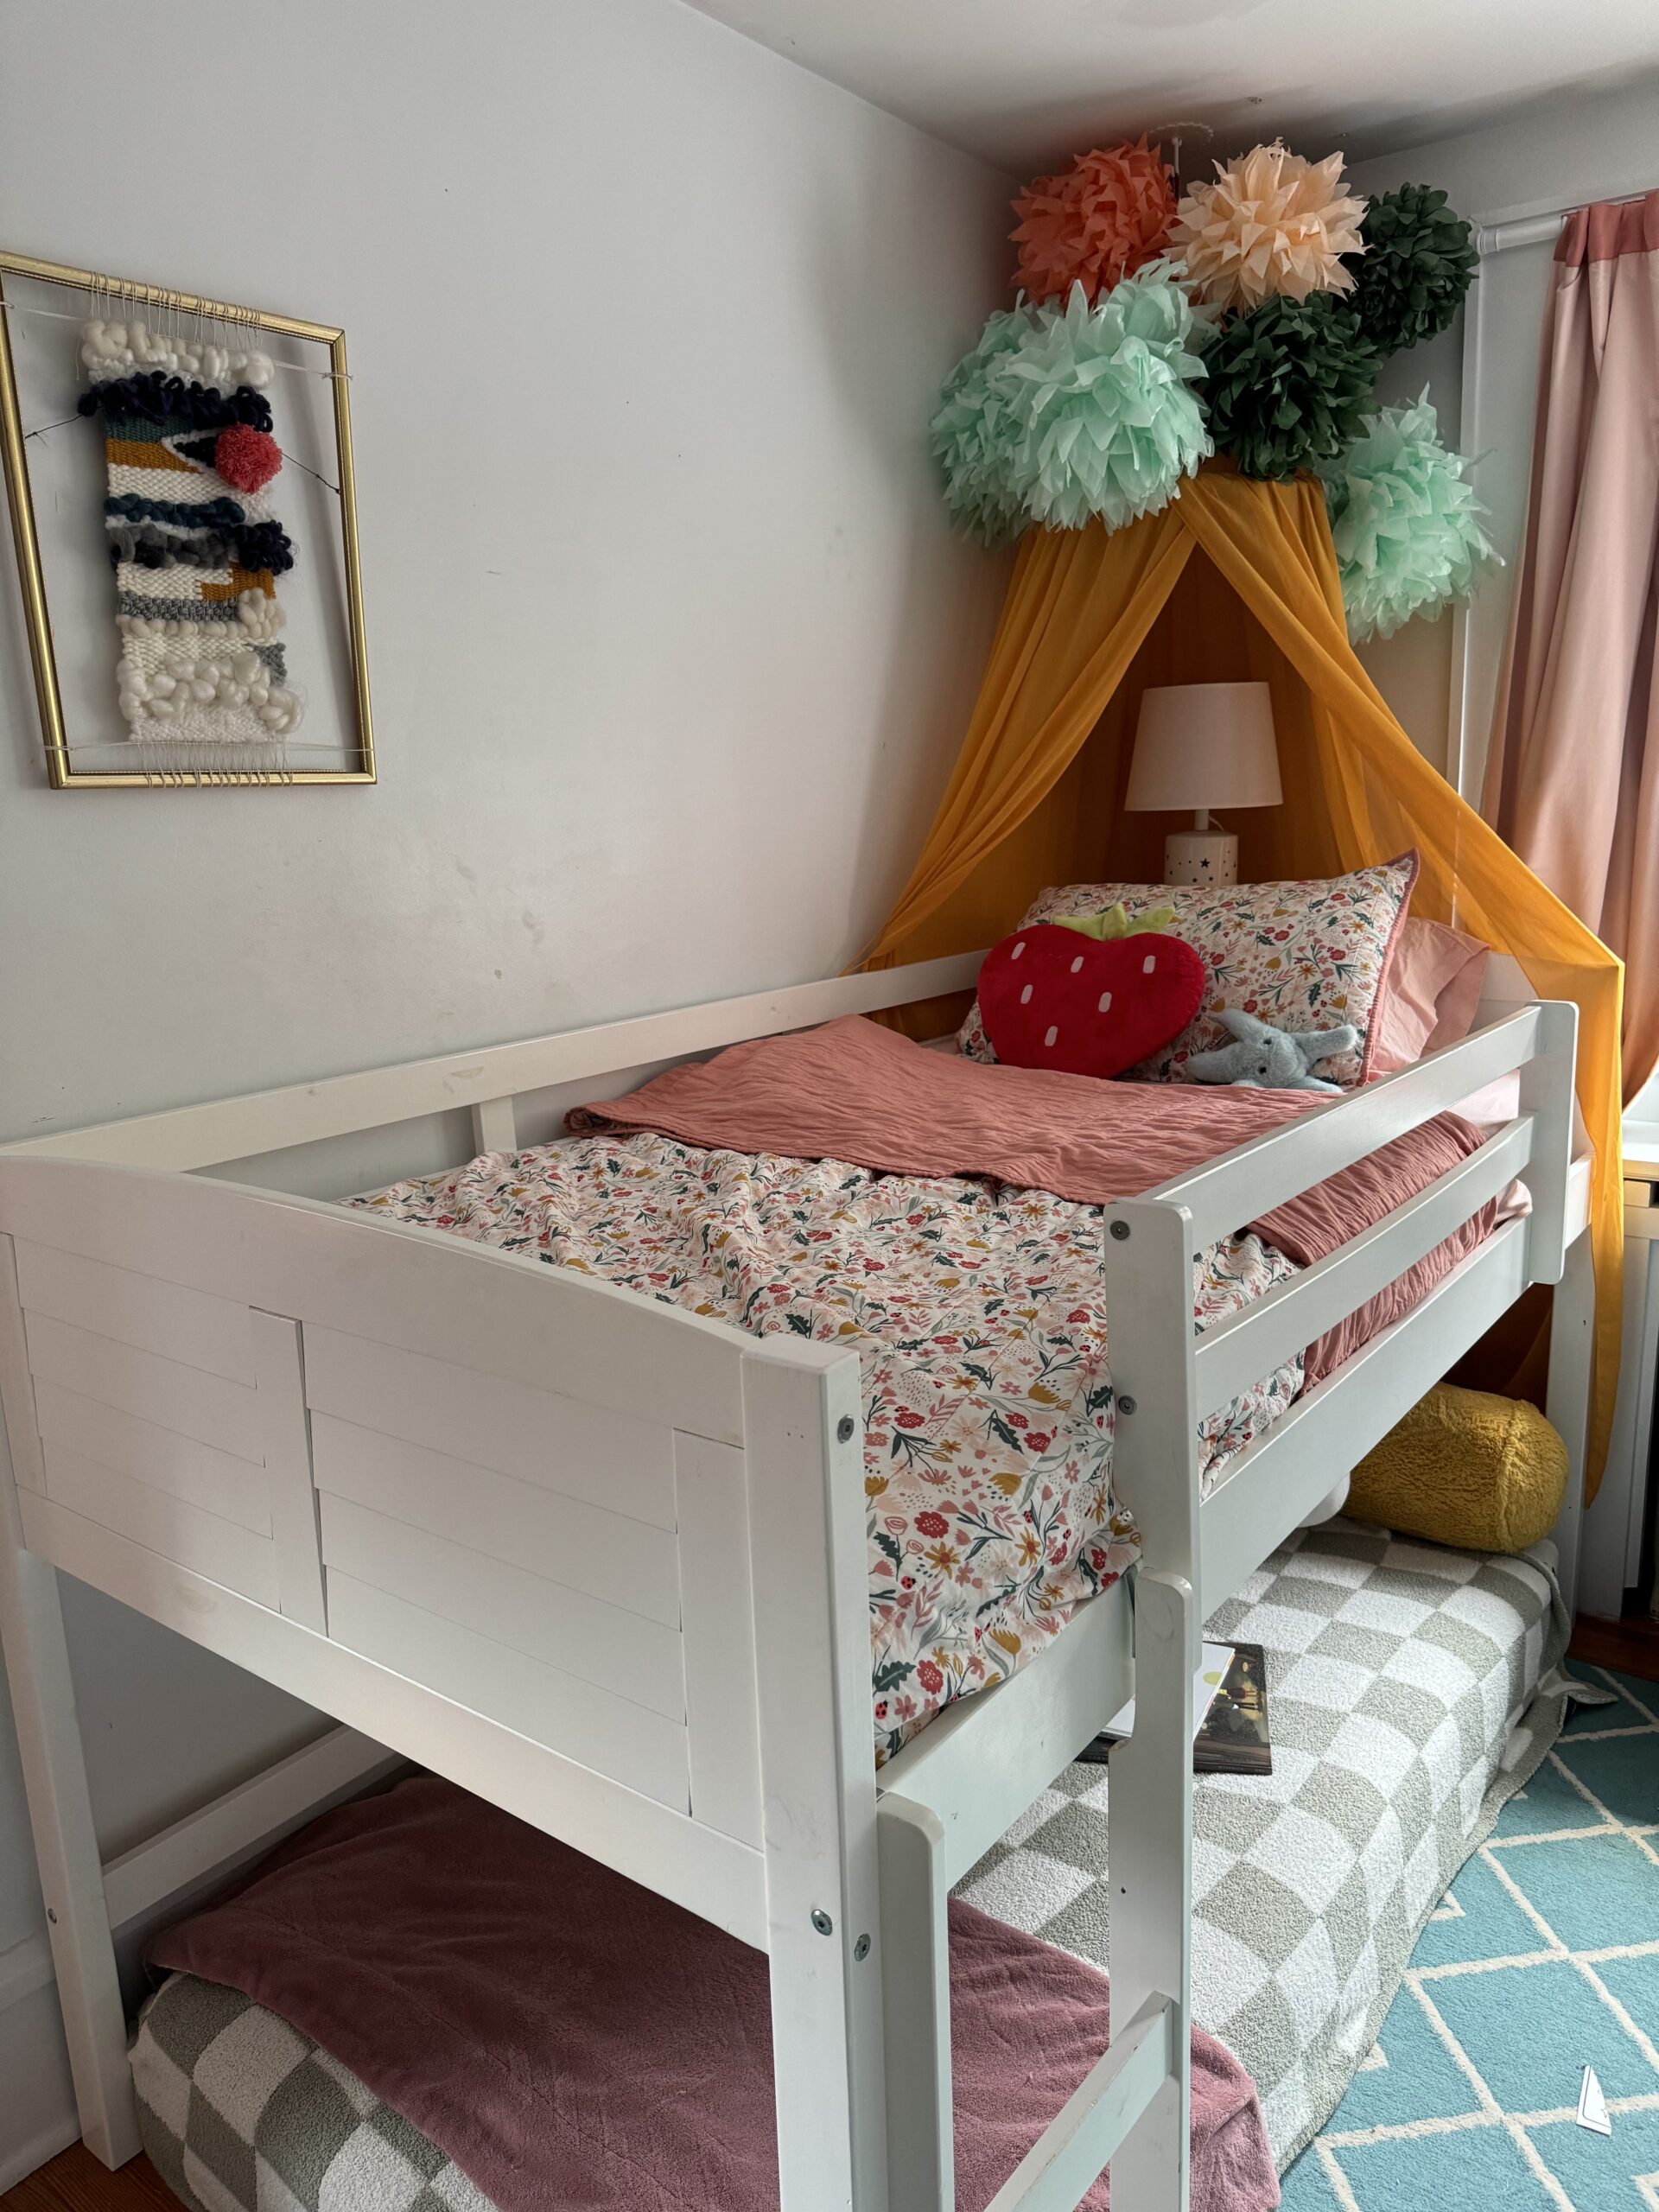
(198, 404)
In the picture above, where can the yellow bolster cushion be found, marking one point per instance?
(1484, 1473)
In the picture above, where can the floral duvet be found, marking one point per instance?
(977, 1309)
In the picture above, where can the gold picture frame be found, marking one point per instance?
(61, 774)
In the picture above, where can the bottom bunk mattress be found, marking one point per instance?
(1412, 1691)
(943, 1218)
(560, 2037)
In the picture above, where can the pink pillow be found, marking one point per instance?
(1431, 994)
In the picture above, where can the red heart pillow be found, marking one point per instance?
(1052, 997)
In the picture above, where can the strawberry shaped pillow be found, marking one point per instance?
(1051, 998)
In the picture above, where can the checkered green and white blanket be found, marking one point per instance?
(239, 2112)
(1397, 1672)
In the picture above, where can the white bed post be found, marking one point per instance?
(1149, 1844)
(804, 1441)
(54, 1773)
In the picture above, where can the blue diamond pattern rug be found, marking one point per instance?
(1542, 1957)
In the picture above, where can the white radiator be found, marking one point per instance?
(1611, 1560)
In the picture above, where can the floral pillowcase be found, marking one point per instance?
(1302, 956)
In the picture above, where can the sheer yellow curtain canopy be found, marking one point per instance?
(1235, 582)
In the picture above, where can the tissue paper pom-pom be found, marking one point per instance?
(246, 459)
(1095, 224)
(1288, 384)
(1419, 262)
(974, 432)
(1109, 423)
(1406, 525)
(1271, 224)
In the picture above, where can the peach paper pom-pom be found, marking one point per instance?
(1271, 224)
(1096, 223)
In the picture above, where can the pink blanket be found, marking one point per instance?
(575, 2044)
(855, 1091)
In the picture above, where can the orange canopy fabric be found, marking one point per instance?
(1091, 619)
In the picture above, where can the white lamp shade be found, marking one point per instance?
(1204, 747)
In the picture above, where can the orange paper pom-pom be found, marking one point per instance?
(1096, 223)
(1271, 225)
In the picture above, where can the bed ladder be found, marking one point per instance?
(1132, 2110)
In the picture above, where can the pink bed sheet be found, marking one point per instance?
(573, 2041)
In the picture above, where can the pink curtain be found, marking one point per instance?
(1573, 774)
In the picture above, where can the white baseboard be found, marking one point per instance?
(37, 2099)
(21, 2164)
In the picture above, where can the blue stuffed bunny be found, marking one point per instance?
(1268, 1059)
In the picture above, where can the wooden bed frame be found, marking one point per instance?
(603, 1562)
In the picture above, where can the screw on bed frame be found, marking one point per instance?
(1126, 1404)
(1119, 1229)
(844, 1428)
(860, 1950)
(822, 1921)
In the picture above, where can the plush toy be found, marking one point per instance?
(1054, 998)
(1268, 1059)
(1115, 923)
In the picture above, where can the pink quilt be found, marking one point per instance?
(941, 1216)
(575, 2044)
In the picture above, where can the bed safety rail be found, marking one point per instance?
(1253, 1179)
(1194, 1552)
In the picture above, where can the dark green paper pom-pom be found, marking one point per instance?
(1286, 385)
(1419, 261)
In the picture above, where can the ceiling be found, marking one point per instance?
(1025, 84)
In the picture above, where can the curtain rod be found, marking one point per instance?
(1535, 228)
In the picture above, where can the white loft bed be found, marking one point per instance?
(280, 1361)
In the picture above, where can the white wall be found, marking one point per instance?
(1593, 149)
(670, 645)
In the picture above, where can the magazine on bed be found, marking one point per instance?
(1229, 1703)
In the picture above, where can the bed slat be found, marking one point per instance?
(220, 1549)
(625, 1562)
(217, 1481)
(578, 1451)
(618, 1652)
(192, 1326)
(207, 1406)
(641, 1750)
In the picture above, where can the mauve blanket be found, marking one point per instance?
(855, 1091)
(575, 2044)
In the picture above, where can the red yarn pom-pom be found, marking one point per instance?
(1098, 222)
(246, 458)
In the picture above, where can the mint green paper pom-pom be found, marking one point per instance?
(1109, 422)
(1059, 414)
(1406, 525)
(976, 433)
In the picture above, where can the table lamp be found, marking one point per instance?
(1205, 746)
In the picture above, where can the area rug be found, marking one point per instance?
(1543, 1958)
(1396, 1672)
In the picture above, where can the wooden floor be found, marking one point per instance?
(75, 2182)
(1629, 1646)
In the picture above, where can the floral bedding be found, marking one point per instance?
(977, 1309)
